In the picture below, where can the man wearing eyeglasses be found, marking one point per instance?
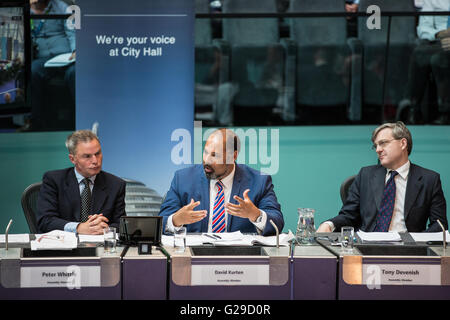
(395, 195)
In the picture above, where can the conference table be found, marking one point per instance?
(86, 272)
(321, 271)
(262, 273)
(397, 270)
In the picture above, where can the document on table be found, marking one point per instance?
(379, 236)
(430, 236)
(15, 238)
(91, 238)
(230, 239)
(55, 240)
(61, 60)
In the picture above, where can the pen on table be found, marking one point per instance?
(209, 236)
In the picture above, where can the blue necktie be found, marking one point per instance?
(218, 223)
(387, 205)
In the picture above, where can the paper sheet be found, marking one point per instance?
(55, 240)
(91, 238)
(379, 236)
(230, 239)
(59, 61)
(430, 236)
(16, 238)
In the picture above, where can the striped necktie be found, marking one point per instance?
(387, 205)
(86, 201)
(218, 218)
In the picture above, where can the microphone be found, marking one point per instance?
(443, 232)
(6, 234)
(277, 232)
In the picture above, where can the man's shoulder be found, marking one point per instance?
(371, 169)
(60, 173)
(191, 170)
(250, 174)
(423, 171)
(59, 7)
(111, 178)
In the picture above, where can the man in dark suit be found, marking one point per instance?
(221, 195)
(82, 199)
(395, 195)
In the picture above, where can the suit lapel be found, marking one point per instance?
(204, 196)
(99, 194)
(235, 191)
(377, 185)
(72, 193)
(413, 187)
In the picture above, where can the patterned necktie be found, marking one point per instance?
(86, 201)
(387, 205)
(218, 223)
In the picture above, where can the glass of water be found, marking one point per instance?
(109, 234)
(347, 235)
(179, 239)
(305, 226)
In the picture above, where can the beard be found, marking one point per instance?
(209, 172)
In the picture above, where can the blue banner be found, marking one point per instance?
(135, 78)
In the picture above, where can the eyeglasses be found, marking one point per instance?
(382, 144)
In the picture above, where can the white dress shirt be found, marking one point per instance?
(228, 186)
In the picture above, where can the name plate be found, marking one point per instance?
(72, 277)
(229, 275)
(401, 274)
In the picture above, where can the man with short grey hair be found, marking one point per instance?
(395, 195)
(83, 198)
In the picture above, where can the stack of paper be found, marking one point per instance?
(91, 238)
(430, 236)
(230, 239)
(15, 238)
(55, 240)
(379, 236)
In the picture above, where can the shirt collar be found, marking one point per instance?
(81, 178)
(403, 170)
(227, 181)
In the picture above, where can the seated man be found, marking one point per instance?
(430, 57)
(221, 195)
(395, 195)
(83, 199)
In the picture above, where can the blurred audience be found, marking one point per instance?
(351, 6)
(50, 37)
(431, 56)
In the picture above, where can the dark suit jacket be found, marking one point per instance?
(59, 200)
(191, 183)
(424, 200)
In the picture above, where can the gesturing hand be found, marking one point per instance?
(187, 214)
(245, 208)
